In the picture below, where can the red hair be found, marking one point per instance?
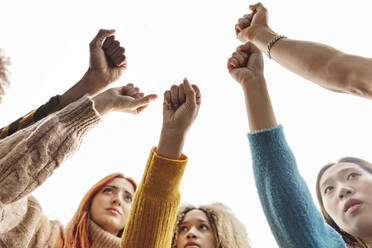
(77, 232)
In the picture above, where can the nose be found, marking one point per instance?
(117, 201)
(345, 192)
(191, 234)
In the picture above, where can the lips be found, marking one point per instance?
(351, 203)
(114, 210)
(191, 245)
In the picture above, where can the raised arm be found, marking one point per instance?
(107, 62)
(319, 63)
(29, 156)
(154, 208)
(285, 198)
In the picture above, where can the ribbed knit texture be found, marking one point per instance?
(154, 208)
(290, 211)
(27, 159)
(101, 238)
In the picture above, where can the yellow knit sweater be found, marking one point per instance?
(29, 156)
(154, 208)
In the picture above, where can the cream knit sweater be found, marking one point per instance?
(27, 159)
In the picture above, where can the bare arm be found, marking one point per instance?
(246, 67)
(319, 63)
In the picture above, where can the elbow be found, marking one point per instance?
(347, 79)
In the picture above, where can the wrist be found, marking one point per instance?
(171, 143)
(101, 104)
(253, 82)
(74, 93)
(261, 37)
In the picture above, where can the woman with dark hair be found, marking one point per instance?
(287, 203)
(346, 186)
(208, 226)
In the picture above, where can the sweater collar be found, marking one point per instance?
(101, 238)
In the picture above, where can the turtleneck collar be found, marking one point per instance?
(101, 238)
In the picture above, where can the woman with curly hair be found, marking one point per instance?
(208, 226)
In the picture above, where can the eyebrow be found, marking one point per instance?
(199, 220)
(116, 187)
(343, 171)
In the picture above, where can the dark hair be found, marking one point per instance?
(349, 239)
(210, 216)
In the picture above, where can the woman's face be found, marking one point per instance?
(110, 206)
(346, 190)
(195, 231)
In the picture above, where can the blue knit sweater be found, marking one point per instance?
(293, 218)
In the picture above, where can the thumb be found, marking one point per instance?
(144, 100)
(258, 7)
(101, 36)
(190, 93)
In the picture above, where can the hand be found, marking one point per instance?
(249, 25)
(246, 64)
(181, 106)
(127, 99)
(107, 61)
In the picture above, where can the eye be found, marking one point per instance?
(204, 227)
(128, 198)
(183, 229)
(328, 189)
(352, 176)
(107, 190)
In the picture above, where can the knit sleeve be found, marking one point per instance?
(154, 208)
(290, 211)
(29, 156)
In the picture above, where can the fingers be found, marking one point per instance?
(100, 37)
(243, 23)
(167, 98)
(232, 63)
(144, 101)
(197, 94)
(241, 56)
(248, 48)
(181, 94)
(257, 7)
(114, 51)
(190, 94)
(174, 96)
(112, 48)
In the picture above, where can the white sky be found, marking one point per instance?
(166, 41)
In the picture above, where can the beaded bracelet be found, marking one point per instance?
(272, 42)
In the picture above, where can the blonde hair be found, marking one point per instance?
(4, 73)
(228, 230)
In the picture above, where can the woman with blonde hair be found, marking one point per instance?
(208, 226)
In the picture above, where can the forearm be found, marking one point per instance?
(258, 105)
(171, 144)
(77, 91)
(156, 201)
(287, 203)
(321, 64)
(29, 156)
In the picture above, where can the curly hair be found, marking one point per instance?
(229, 232)
(4, 73)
